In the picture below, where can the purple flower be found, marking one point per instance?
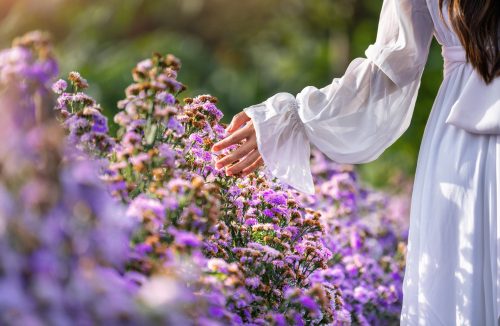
(279, 319)
(308, 303)
(131, 138)
(216, 312)
(298, 320)
(168, 154)
(213, 110)
(274, 198)
(252, 282)
(268, 212)
(220, 131)
(139, 159)
(251, 221)
(144, 65)
(361, 294)
(234, 191)
(59, 86)
(143, 248)
(63, 101)
(175, 125)
(143, 206)
(196, 138)
(239, 203)
(204, 156)
(100, 124)
(165, 98)
(184, 238)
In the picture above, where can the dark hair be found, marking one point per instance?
(477, 22)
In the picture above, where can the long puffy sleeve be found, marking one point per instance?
(356, 117)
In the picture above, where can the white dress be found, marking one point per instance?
(452, 269)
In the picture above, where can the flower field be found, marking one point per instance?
(138, 227)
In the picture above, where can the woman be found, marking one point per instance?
(453, 258)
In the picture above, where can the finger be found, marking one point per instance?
(232, 139)
(237, 121)
(238, 153)
(252, 167)
(243, 163)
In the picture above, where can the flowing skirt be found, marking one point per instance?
(452, 266)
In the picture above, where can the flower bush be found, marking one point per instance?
(63, 238)
(145, 213)
(363, 232)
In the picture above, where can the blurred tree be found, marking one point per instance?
(240, 51)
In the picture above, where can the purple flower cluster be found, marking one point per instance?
(155, 234)
(363, 233)
(266, 242)
(29, 63)
(25, 70)
(82, 117)
(64, 241)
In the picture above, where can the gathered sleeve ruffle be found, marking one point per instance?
(356, 117)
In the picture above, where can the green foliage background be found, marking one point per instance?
(240, 51)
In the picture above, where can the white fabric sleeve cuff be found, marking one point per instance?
(282, 140)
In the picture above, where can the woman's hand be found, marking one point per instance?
(247, 154)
